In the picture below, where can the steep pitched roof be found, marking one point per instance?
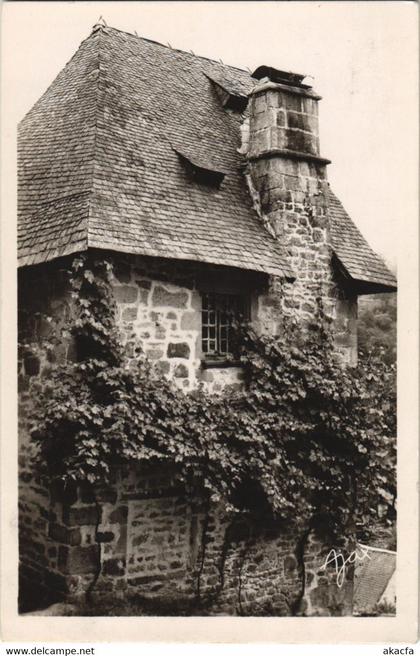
(99, 167)
(372, 576)
(56, 148)
(353, 251)
(99, 164)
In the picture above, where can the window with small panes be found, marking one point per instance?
(219, 312)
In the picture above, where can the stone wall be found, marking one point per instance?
(42, 293)
(288, 182)
(143, 535)
(170, 552)
(159, 306)
(346, 327)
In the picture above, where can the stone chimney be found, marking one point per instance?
(287, 180)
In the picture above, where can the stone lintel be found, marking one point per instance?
(291, 154)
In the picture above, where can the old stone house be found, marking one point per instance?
(206, 186)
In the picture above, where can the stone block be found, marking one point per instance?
(178, 350)
(260, 141)
(259, 103)
(207, 376)
(163, 367)
(163, 297)
(82, 560)
(144, 297)
(125, 294)
(160, 332)
(129, 314)
(119, 515)
(60, 533)
(157, 317)
(114, 567)
(272, 98)
(32, 365)
(155, 354)
(121, 544)
(140, 539)
(289, 564)
(261, 121)
(281, 118)
(190, 321)
(62, 562)
(104, 536)
(233, 387)
(278, 137)
(297, 120)
(80, 516)
(291, 102)
(308, 307)
(181, 371)
(318, 235)
(320, 598)
(143, 580)
(293, 183)
(301, 142)
(196, 301)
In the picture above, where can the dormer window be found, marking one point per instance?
(229, 93)
(201, 170)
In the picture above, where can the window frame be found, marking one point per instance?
(215, 326)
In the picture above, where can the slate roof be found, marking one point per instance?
(372, 576)
(353, 251)
(98, 164)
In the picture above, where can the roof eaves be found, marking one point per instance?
(280, 270)
(365, 283)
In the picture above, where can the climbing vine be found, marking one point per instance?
(306, 438)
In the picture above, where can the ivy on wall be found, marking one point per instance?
(307, 437)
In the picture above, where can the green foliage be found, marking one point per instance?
(378, 326)
(381, 609)
(307, 438)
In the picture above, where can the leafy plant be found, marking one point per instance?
(307, 438)
(377, 326)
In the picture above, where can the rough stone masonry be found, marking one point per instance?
(150, 536)
(288, 181)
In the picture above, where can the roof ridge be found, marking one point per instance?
(102, 28)
(95, 134)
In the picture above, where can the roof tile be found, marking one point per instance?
(360, 261)
(97, 165)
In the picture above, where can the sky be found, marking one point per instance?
(362, 56)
